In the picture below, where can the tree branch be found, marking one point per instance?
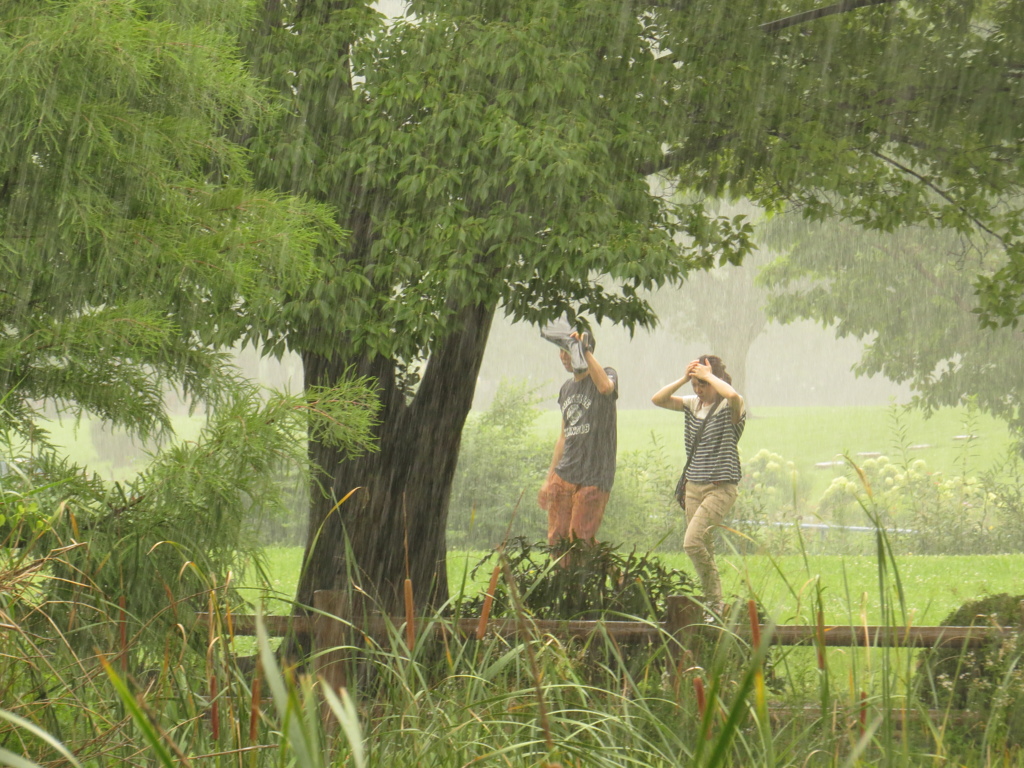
(939, 191)
(799, 18)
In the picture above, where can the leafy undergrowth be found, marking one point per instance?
(577, 581)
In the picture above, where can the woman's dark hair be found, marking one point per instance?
(717, 367)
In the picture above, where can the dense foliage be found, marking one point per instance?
(136, 249)
(132, 241)
(157, 544)
(909, 296)
(576, 581)
(987, 681)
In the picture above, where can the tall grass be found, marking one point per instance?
(451, 700)
(90, 678)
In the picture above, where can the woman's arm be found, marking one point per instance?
(666, 397)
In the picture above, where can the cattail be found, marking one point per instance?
(410, 621)
(214, 709)
(485, 614)
(122, 633)
(821, 639)
(698, 688)
(254, 710)
(863, 711)
(755, 624)
(755, 637)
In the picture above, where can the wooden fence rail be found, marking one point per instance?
(684, 616)
(335, 626)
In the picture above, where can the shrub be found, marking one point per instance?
(502, 464)
(1005, 495)
(767, 509)
(926, 512)
(642, 509)
(988, 680)
(601, 582)
(592, 581)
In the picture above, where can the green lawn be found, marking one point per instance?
(806, 436)
(785, 586)
(812, 436)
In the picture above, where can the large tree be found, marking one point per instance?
(488, 154)
(493, 156)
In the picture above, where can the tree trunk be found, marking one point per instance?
(733, 342)
(394, 525)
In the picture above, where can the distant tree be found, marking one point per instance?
(909, 295)
(722, 308)
(491, 153)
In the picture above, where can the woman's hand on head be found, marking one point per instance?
(699, 370)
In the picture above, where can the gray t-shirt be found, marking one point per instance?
(589, 422)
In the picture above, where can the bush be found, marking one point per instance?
(642, 509)
(601, 582)
(767, 509)
(926, 512)
(591, 582)
(988, 681)
(502, 464)
(1006, 498)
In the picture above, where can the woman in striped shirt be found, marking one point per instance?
(713, 463)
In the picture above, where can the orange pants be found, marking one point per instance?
(574, 511)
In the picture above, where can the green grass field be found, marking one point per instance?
(806, 436)
(785, 586)
(812, 436)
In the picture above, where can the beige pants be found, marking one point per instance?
(706, 508)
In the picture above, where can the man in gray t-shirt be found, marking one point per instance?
(583, 465)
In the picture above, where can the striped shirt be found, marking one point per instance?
(717, 459)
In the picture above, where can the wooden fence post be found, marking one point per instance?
(333, 635)
(684, 616)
